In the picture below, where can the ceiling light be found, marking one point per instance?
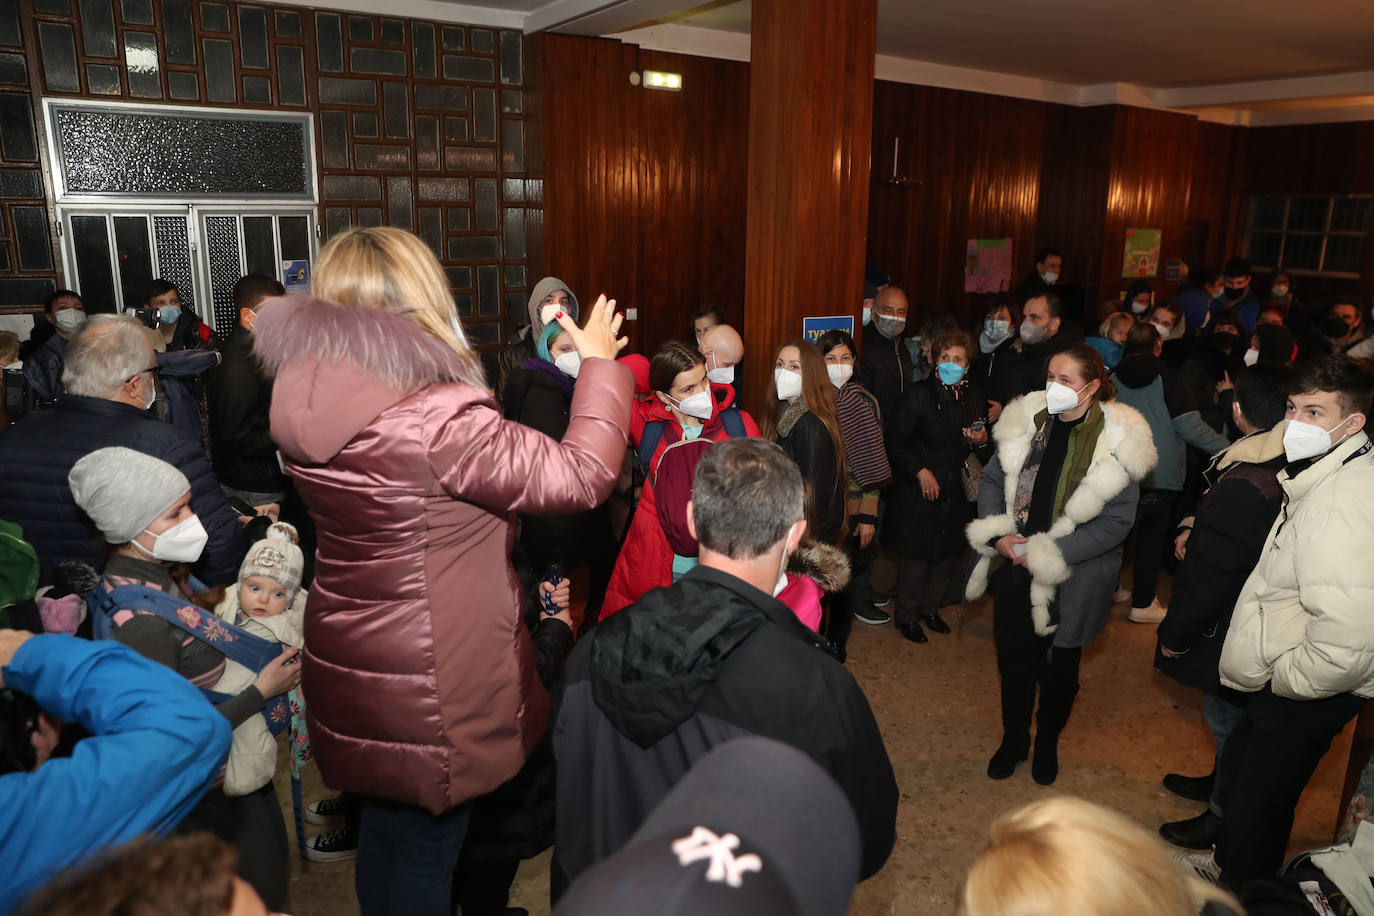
(654, 79)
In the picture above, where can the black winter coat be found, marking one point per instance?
(808, 443)
(1000, 372)
(927, 432)
(885, 369)
(656, 686)
(37, 454)
(1035, 360)
(240, 400)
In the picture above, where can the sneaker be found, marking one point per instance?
(334, 846)
(867, 613)
(1122, 595)
(1152, 614)
(1200, 864)
(327, 812)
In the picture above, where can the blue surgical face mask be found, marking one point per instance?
(950, 373)
(997, 330)
(169, 314)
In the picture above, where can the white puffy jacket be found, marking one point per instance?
(1305, 618)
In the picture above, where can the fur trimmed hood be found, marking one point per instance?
(828, 566)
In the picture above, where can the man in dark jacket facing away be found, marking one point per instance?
(1219, 547)
(712, 657)
(240, 398)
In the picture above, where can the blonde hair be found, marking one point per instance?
(392, 270)
(1066, 855)
(1114, 321)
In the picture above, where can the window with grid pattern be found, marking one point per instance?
(1321, 235)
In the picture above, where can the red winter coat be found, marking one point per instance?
(646, 560)
(418, 665)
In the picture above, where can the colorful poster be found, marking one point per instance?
(813, 328)
(987, 266)
(1142, 253)
(295, 276)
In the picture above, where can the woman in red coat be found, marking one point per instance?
(421, 678)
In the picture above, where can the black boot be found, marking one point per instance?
(911, 629)
(1045, 765)
(1195, 833)
(1193, 788)
(935, 622)
(1009, 754)
(1058, 687)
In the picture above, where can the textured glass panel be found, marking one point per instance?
(369, 216)
(9, 23)
(513, 146)
(183, 85)
(375, 156)
(137, 12)
(336, 220)
(427, 142)
(59, 57)
(352, 187)
(214, 17)
(56, 7)
(484, 114)
(177, 32)
(482, 41)
(459, 219)
(31, 237)
(140, 57)
(359, 28)
(515, 275)
(222, 247)
(396, 110)
(117, 153)
(469, 69)
(1302, 251)
(484, 334)
(474, 248)
(98, 28)
(102, 79)
(347, 92)
(398, 203)
(460, 278)
(1344, 253)
(462, 303)
(291, 74)
(253, 37)
(21, 183)
(329, 42)
(422, 39)
(439, 189)
(432, 229)
(485, 196)
(453, 38)
(516, 313)
(1349, 214)
(443, 98)
(393, 32)
(488, 291)
(91, 245)
(334, 139)
(1307, 214)
(174, 255)
(288, 24)
(1264, 248)
(365, 124)
(133, 254)
(259, 245)
(219, 70)
(534, 191)
(376, 60)
(17, 140)
(26, 291)
(467, 159)
(513, 232)
(512, 101)
(5, 257)
(295, 238)
(512, 190)
(512, 59)
(13, 70)
(257, 89)
(455, 129)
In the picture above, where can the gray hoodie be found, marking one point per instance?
(541, 289)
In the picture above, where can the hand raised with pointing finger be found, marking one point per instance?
(598, 339)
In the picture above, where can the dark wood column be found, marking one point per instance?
(810, 124)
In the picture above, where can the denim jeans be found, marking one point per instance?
(406, 858)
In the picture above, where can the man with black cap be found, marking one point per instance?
(714, 656)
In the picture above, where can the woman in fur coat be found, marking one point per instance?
(1054, 505)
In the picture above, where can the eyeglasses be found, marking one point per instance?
(150, 369)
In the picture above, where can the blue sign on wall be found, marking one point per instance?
(812, 328)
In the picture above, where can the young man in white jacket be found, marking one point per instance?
(1301, 641)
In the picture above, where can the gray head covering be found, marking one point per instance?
(545, 287)
(124, 491)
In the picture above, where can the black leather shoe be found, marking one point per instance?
(1193, 788)
(935, 622)
(1003, 763)
(912, 631)
(1195, 833)
(1045, 764)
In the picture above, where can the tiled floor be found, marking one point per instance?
(938, 708)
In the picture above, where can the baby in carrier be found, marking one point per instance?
(267, 602)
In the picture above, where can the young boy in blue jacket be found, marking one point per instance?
(156, 744)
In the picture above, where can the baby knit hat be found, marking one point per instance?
(276, 557)
(124, 491)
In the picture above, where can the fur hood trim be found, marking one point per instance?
(827, 565)
(381, 342)
(1124, 454)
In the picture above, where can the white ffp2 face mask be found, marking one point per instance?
(1049, 277)
(722, 375)
(699, 405)
(839, 373)
(182, 543)
(68, 320)
(569, 363)
(1251, 357)
(789, 383)
(1032, 333)
(1060, 398)
(1308, 440)
(548, 313)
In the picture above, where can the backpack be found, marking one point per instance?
(672, 477)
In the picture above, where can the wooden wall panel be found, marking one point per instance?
(1213, 194)
(1075, 172)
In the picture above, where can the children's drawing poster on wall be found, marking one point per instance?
(987, 266)
(1141, 258)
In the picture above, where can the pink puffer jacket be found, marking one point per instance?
(417, 663)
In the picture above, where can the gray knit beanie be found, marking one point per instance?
(124, 491)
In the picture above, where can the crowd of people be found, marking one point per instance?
(593, 603)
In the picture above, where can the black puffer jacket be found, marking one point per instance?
(808, 443)
(240, 399)
(999, 373)
(885, 368)
(37, 454)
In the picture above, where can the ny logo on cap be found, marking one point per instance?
(719, 850)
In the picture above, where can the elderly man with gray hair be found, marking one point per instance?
(108, 379)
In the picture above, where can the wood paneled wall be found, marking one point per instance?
(1075, 174)
(644, 190)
